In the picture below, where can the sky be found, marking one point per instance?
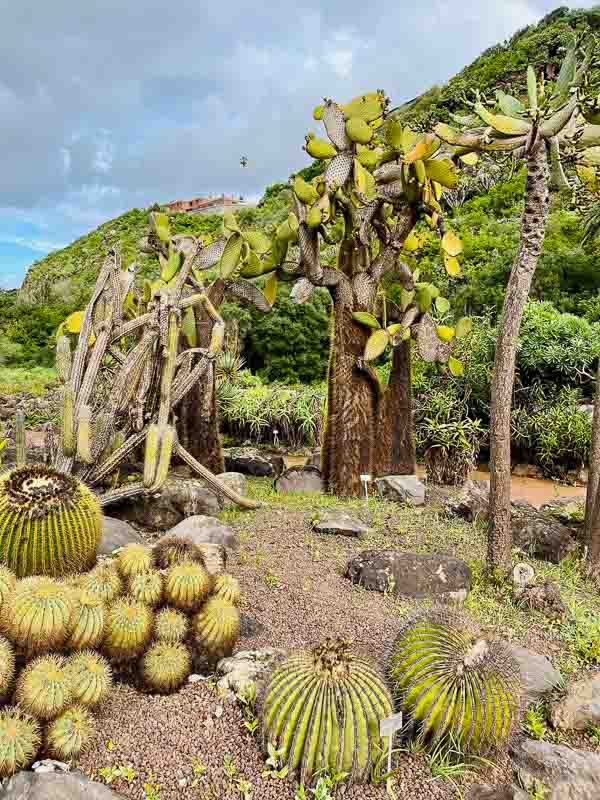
(116, 104)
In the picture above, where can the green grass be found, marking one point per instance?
(34, 380)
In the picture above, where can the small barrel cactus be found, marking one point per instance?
(20, 740)
(128, 629)
(7, 667)
(91, 677)
(166, 666)
(322, 709)
(50, 523)
(44, 687)
(187, 585)
(38, 614)
(87, 624)
(105, 582)
(69, 733)
(134, 559)
(8, 581)
(171, 626)
(228, 588)
(172, 550)
(147, 587)
(216, 627)
(452, 683)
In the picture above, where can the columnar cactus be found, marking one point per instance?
(322, 710)
(50, 523)
(451, 682)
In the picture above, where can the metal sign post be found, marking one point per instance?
(387, 728)
(366, 479)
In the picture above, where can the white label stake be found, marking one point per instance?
(365, 481)
(387, 728)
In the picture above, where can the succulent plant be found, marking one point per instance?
(37, 615)
(171, 550)
(7, 667)
(20, 739)
(135, 558)
(8, 582)
(147, 587)
(166, 666)
(128, 629)
(171, 626)
(321, 710)
(44, 687)
(87, 623)
(187, 585)
(104, 581)
(50, 523)
(91, 677)
(453, 683)
(228, 588)
(69, 733)
(216, 627)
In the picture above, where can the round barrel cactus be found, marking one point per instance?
(171, 626)
(322, 709)
(50, 523)
(454, 684)
(216, 627)
(91, 677)
(20, 739)
(166, 666)
(68, 734)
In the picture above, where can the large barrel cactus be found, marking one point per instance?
(452, 683)
(50, 523)
(322, 710)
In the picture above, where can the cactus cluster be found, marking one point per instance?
(50, 523)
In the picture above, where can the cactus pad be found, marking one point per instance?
(166, 666)
(70, 733)
(44, 688)
(91, 677)
(171, 626)
(322, 709)
(20, 739)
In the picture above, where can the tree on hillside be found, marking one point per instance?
(541, 131)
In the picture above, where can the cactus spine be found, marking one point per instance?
(87, 625)
(84, 435)
(44, 688)
(452, 682)
(134, 559)
(38, 615)
(8, 582)
(322, 709)
(216, 627)
(166, 666)
(171, 626)
(50, 523)
(67, 736)
(128, 629)
(187, 585)
(20, 739)
(91, 677)
(63, 359)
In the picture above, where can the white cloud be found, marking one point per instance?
(37, 245)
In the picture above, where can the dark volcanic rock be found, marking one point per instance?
(299, 479)
(338, 522)
(541, 536)
(177, 500)
(252, 461)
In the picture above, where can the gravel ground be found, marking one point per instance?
(295, 595)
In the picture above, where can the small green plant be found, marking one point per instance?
(322, 790)
(198, 770)
(275, 766)
(247, 699)
(117, 772)
(151, 788)
(229, 768)
(272, 580)
(593, 732)
(244, 787)
(535, 722)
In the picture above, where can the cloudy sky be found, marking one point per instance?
(120, 103)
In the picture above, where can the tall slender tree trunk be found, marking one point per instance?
(592, 505)
(395, 452)
(533, 228)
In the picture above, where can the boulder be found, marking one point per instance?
(116, 533)
(238, 672)
(568, 510)
(235, 481)
(177, 500)
(55, 786)
(541, 536)
(411, 574)
(538, 676)
(507, 791)
(402, 489)
(204, 530)
(252, 461)
(299, 479)
(543, 596)
(338, 522)
(580, 707)
(471, 502)
(566, 774)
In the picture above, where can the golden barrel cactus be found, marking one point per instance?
(37, 615)
(216, 627)
(50, 523)
(91, 677)
(171, 550)
(104, 581)
(128, 629)
(20, 740)
(135, 558)
(166, 666)
(187, 585)
(87, 623)
(69, 733)
(44, 687)
(228, 588)
(7, 667)
(147, 587)
(171, 626)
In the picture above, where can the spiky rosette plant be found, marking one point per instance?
(7, 667)
(91, 677)
(104, 581)
(44, 687)
(147, 587)
(87, 624)
(171, 626)
(166, 666)
(20, 739)
(50, 523)
(135, 559)
(453, 683)
(8, 581)
(187, 585)
(173, 550)
(321, 710)
(128, 629)
(216, 627)
(69, 733)
(37, 615)
(228, 588)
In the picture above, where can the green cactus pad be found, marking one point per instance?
(50, 523)
(20, 739)
(322, 710)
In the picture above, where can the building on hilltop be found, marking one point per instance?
(210, 205)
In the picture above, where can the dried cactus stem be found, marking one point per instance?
(20, 439)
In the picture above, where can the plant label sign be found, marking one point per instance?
(388, 727)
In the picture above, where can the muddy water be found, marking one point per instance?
(536, 490)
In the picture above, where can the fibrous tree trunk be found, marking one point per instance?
(533, 227)
(592, 503)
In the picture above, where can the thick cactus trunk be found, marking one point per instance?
(533, 228)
